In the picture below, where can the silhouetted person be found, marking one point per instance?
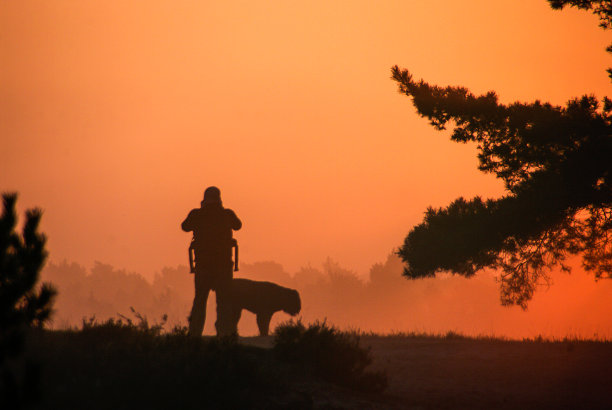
(212, 226)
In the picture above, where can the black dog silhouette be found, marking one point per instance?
(263, 299)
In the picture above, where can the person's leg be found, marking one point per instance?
(226, 324)
(198, 310)
(233, 319)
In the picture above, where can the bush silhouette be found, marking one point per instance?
(330, 354)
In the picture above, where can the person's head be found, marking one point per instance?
(212, 195)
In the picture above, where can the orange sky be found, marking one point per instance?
(114, 117)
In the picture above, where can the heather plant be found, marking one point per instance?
(329, 353)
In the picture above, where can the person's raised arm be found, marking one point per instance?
(188, 224)
(235, 223)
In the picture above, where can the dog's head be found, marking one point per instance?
(293, 304)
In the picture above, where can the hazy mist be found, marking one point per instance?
(382, 302)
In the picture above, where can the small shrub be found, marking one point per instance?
(23, 304)
(125, 323)
(329, 353)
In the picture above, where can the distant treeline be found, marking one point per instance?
(331, 292)
(384, 301)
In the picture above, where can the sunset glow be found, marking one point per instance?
(115, 116)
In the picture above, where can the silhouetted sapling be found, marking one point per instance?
(22, 303)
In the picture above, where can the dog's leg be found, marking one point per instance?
(236, 313)
(263, 322)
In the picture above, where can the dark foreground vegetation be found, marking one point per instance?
(119, 364)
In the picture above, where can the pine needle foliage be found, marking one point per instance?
(601, 8)
(556, 165)
(23, 304)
